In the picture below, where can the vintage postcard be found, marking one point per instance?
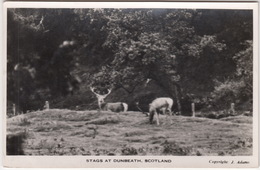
(131, 85)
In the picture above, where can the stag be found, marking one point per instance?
(100, 97)
(163, 104)
(114, 107)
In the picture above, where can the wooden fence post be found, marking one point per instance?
(46, 106)
(193, 109)
(232, 107)
(14, 110)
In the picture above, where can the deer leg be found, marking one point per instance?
(157, 118)
(170, 117)
(166, 116)
(151, 117)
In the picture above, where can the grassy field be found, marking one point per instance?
(67, 132)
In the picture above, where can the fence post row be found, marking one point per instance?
(46, 106)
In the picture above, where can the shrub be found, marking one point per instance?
(198, 153)
(202, 103)
(129, 151)
(216, 114)
(221, 153)
(173, 148)
(226, 93)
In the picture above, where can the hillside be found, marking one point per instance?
(67, 132)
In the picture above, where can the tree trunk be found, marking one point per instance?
(177, 99)
(170, 87)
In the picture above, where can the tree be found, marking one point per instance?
(34, 41)
(21, 58)
(239, 88)
(155, 44)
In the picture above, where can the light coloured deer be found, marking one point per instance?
(163, 104)
(114, 107)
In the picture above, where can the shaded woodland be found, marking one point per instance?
(190, 55)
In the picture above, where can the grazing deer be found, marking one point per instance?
(163, 104)
(114, 107)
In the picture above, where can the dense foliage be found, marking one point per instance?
(199, 56)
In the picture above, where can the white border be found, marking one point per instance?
(197, 5)
(178, 161)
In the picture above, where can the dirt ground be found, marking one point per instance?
(67, 132)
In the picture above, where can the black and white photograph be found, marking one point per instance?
(147, 84)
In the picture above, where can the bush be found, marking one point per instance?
(172, 148)
(202, 103)
(216, 114)
(129, 151)
(231, 92)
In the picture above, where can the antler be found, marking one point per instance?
(92, 89)
(109, 91)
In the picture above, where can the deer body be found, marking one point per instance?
(163, 104)
(113, 107)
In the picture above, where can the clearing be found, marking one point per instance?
(67, 132)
